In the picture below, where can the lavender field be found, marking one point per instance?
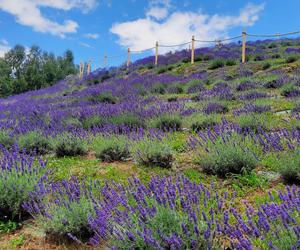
(178, 156)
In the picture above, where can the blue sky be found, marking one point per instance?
(92, 28)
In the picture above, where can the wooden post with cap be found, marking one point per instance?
(244, 34)
(128, 58)
(156, 53)
(89, 67)
(193, 50)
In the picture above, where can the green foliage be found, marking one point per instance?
(153, 153)
(72, 121)
(251, 122)
(35, 142)
(92, 121)
(168, 221)
(291, 59)
(130, 120)
(230, 62)
(168, 122)
(8, 227)
(288, 89)
(111, 148)
(70, 145)
(162, 69)
(33, 70)
(231, 156)
(217, 63)
(290, 167)
(17, 242)
(6, 140)
(105, 97)
(15, 187)
(158, 88)
(204, 122)
(266, 66)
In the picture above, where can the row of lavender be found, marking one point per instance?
(165, 213)
(140, 96)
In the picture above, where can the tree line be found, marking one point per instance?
(22, 70)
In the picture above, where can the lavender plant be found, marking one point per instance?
(228, 154)
(62, 208)
(67, 144)
(153, 153)
(19, 175)
(111, 148)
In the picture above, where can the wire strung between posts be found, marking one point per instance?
(143, 50)
(175, 45)
(218, 40)
(274, 35)
(116, 56)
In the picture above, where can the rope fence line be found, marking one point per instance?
(191, 43)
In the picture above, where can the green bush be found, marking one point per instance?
(92, 121)
(230, 62)
(168, 122)
(205, 122)
(217, 63)
(291, 59)
(72, 121)
(35, 142)
(153, 153)
(266, 66)
(70, 145)
(172, 99)
(111, 149)
(290, 167)
(6, 140)
(251, 122)
(162, 69)
(287, 90)
(158, 88)
(63, 210)
(18, 177)
(231, 156)
(130, 120)
(105, 97)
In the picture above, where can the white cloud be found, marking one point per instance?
(157, 13)
(86, 45)
(28, 13)
(91, 35)
(4, 47)
(179, 27)
(158, 9)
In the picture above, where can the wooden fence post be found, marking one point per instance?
(128, 58)
(156, 53)
(193, 50)
(244, 34)
(81, 69)
(89, 67)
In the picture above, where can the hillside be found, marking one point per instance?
(214, 140)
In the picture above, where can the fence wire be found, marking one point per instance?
(198, 41)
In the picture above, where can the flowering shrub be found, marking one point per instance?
(70, 145)
(63, 208)
(34, 142)
(273, 225)
(19, 175)
(215, 108)
(226, 155)
(92, 122)
(206, 122)
(168, 123)
(166, 213)
(105, 97)
(153, 153)
(111, 149)
(290, 167)
(6, 140)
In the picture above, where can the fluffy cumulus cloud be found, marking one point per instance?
(28, 13)
(4, 47)
(178, 27)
